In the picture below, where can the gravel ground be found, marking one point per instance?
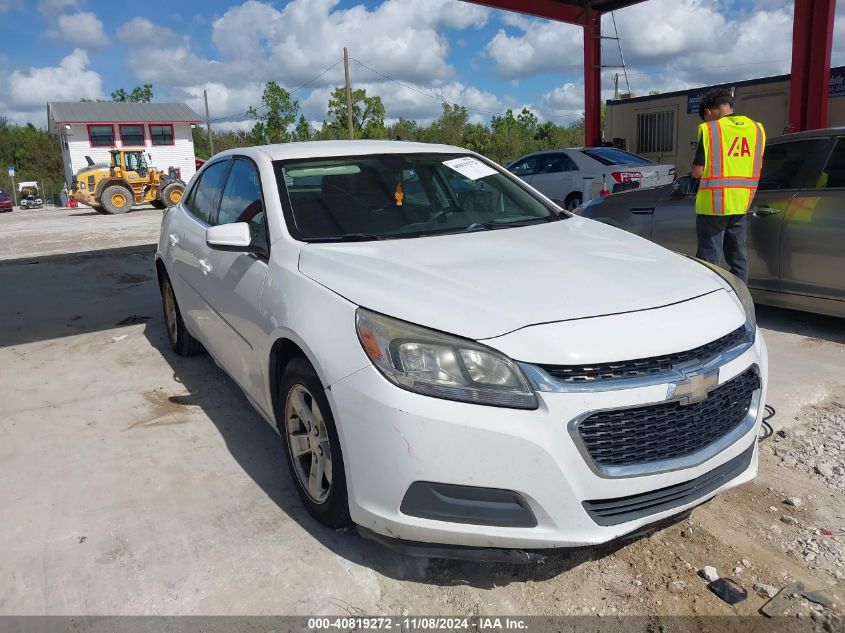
(133, 481)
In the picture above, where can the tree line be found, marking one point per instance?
(36, 155)
(279, 120)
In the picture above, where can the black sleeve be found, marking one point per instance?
(699, 153)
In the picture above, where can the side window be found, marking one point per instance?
(242, 201)
(783, 162)
(833, 174)
(557, 163)
(206, 193)
(525, 167)
(569, 164)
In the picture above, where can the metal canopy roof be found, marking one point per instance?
(572, 11)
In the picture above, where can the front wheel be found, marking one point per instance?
(313, 449)
(116, 199)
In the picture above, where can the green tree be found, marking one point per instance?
(448, 128)
(138, 94)
(302, 132)
(273, 125)
(367, 114)
(35, 155)
(404, 130)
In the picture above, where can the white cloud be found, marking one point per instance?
(543, 46)
(141, 31)
(71, 80)
(82, 29)
(52, 8)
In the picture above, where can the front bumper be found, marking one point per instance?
(392, 438)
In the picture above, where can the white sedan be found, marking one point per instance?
(449, 358)
(560, 174)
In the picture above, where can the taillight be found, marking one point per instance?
(626, 176)
(674, 173)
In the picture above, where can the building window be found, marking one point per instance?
(161, 134)
(655, 132)
(132, 134)
(101, 135)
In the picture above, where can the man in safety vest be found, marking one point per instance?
(728, 161)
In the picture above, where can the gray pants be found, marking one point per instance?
(723, 233)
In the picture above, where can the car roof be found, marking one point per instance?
(323, 149)
(827, 131)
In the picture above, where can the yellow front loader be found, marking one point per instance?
(126, 181)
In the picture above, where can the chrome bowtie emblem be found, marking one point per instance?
(694, 387)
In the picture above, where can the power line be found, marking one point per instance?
(292, 92)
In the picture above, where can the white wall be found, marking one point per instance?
(78, 146)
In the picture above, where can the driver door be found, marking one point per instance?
(232, 281)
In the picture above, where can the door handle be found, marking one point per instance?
(764, 210)
(205, 266)
(174, 239)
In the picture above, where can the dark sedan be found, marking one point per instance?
(796, 223)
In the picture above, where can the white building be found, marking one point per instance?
(87, 128)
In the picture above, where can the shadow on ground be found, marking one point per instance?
(818, 326)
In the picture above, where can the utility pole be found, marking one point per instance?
(208, 122)
(348, 93)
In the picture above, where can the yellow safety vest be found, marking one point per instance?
(733, 155)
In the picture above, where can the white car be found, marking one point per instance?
(560, 173)
(449, 358)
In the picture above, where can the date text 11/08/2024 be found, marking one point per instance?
(418, 623)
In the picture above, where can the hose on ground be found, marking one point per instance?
(766, 429)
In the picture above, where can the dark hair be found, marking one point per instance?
(713, 99)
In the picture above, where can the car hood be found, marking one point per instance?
(484, 284)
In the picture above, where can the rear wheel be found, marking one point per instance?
(180, 339)
(116, 199)
(171, 194)
(313, 448)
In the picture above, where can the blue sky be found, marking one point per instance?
(488, 60)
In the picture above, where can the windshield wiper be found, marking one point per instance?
(349, 237)
(502, 224)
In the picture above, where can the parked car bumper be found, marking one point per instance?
(412, 460)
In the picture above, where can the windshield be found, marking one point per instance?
(613, 156)
(402, 195)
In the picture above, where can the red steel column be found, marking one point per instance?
(592, 78)
(812, 40)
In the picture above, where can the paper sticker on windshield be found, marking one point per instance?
(469, 167)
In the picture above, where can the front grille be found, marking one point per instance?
(652, 433)
(645, 366)
(624, 509)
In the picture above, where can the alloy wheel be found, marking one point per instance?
(308, 443)
(170, 317)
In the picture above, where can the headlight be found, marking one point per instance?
(442, 366)
(741, 291)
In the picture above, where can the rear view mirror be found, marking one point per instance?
(684, 186)
(229, 237)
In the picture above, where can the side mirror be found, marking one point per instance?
(684, 186)
(232, 237)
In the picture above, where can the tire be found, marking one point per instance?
(158, 204)
(171, 193)
(180, 339)
(99, 209)
(573, 202)
(116, 199)
(305, 414)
